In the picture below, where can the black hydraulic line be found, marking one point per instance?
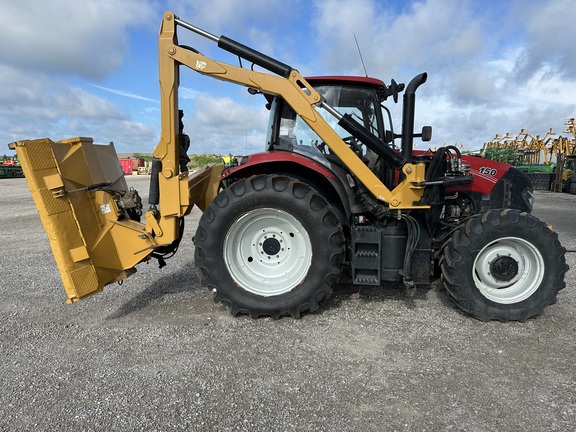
(89, 188)
(411, 244)
(372, 142)
(456, 150)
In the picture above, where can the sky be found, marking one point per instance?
(89, 67)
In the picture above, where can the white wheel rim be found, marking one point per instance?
(267, 252)
(516, 286)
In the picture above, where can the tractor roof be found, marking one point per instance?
(346, 79)
(339, 80)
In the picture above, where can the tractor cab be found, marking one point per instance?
(359, 97)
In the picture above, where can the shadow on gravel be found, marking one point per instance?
(386, 292)
(184, 280)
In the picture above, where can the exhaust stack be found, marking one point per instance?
(408, 113)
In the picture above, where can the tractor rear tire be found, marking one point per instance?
(269, 245)
(503, 265)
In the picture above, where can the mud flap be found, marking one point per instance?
(75, 185)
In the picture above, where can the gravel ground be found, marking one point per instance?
(156, 354)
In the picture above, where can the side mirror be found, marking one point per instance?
(426, 133)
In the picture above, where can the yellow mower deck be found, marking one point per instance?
(74, 184)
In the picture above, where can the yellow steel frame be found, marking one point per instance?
(294, 90)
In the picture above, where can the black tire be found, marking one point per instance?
(503, 265)
(566, 185)
(573, 183)
(540, 181)
(269, 245)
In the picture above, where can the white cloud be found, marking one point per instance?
(492, 68)
(187, 92)
(69, 36)
(126, 94)
(47, 107)
(221, 125)
(233, 16)
(45, 98)
(549, 34)
(275, 27)
(433, 33)
(473, 84)
(48, 49)
(337, 21)
(529, 106)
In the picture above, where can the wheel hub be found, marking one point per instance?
(504, 268)
(271, 246)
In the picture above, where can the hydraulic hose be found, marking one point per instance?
(254, 56)
(242, 51)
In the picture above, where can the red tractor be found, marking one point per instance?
(293, 220)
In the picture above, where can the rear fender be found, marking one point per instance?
(324, 180)
(257, 163)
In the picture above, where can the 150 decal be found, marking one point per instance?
(488, 171)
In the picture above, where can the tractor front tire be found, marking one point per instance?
(269, 245)
(503, 265)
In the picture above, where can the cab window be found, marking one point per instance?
(357, 101)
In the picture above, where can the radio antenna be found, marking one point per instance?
(360, 53)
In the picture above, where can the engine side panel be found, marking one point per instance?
(496, 185)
